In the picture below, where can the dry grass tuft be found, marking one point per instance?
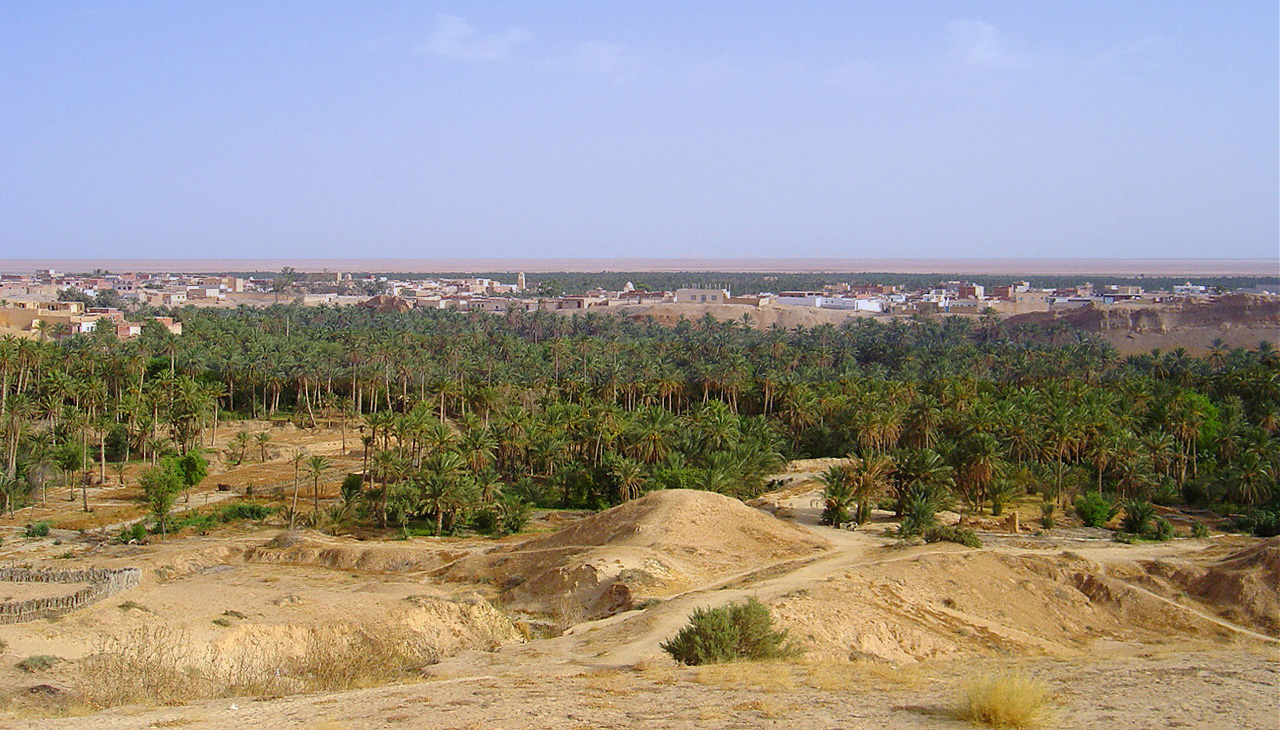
(836, 676)
(1009, 700)
(161, 665)
(608, 681)
(764, 676)
(658, 670)
(767, 708)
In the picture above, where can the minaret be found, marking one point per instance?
(520, 281)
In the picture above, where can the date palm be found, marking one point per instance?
(262, 439)
(316, 467)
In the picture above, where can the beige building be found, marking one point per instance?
(702, 296)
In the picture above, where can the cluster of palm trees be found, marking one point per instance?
(92, 400)
(585, 454)
(463, 411)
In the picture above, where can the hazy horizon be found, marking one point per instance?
(1010, 266)
(434, 128)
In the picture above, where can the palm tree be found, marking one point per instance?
(240, 444)
(262, 438)
(837, 494)
(870, 477)
(316, 466)
(299, 455)
(630, 477)
(920, 469)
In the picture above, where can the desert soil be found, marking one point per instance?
(1178, 634)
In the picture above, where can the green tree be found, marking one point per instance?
(160, 485)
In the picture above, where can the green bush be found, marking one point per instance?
(920, 511)
(133, 533)
(1138, 514)
(736, 632)
(1162, 529)
(947, 533)
(222, 515)
(513, 514)
(1048, 515)
(352, 488)
(1095, 510)
(1260, 522)
(1199, 529)
(244, 511)
(37, 529)
(485, 521)
(1001, 492)
(38, 663)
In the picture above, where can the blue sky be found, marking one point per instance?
(251, 128)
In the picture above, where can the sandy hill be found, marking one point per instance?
(1242, 586)
(655, 546)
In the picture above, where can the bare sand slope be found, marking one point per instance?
(663, 543)
(1242, 585)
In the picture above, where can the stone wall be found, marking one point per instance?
(102, 582)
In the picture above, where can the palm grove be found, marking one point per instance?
(467, 420)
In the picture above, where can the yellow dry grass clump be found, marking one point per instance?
(162, 666)
(1008, 700)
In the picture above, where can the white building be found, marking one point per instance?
(701, 296)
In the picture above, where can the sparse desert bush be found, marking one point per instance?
(1094, 509)
(38, 663)
(1008, 700)
(948, 533)
(736, 632)
(37, 529)
(133, 533)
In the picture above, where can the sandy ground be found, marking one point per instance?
(1128, 636)
(1197, 340)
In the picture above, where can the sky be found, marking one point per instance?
(612, 128)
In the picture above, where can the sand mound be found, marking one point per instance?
(1243, 587)
(977, 603)
(292, 549)
(442, 625)
(656, 546)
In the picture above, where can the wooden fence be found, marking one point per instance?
(102, 582)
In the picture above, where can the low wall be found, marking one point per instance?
(102, 582)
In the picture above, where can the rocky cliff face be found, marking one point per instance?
(1236, 310)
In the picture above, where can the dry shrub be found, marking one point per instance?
(763, 676)
(608, 681)
(567, 612)
(161, 666)
(1009, 700)
(766, 708)
(836, 676)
